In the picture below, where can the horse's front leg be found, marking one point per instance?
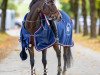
(67, 56)
(44, 61)
(31, 52)
(58, 53)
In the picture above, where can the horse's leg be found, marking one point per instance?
(67, 59)
(58, 53)
(44, 61)
(31, 52)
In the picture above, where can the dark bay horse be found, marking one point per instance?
(32, 23)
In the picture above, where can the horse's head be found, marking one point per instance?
(46, 7)
(50, 9)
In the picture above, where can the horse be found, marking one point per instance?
(32, 23)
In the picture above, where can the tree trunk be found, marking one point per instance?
(99, 21)
(3, 17)
(76, 14)
(84, 12)
(99, 28)
(93, 18)
(72, 5)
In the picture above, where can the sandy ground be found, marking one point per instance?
(85, 62)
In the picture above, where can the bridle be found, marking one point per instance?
(48, 4)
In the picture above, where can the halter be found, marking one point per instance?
(50, 3)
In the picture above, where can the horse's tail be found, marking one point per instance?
(69, 57)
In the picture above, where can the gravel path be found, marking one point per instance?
(86, 62)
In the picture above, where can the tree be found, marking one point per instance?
(12, 5)
(98, 11)
(66, 6)
(0, 3)
(72, 6)
(74, 9)
(3, 17)
(93, 18)
(76, 3)
(84, 13)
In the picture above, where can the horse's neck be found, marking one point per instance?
(35, 9)
(32, 26)
(33, 15)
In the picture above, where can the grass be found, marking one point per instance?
(7, 44)
(86, 41)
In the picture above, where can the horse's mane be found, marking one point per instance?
(32, 2)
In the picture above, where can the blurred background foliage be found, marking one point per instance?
(66, 6)
(72, 7)
(18, 5)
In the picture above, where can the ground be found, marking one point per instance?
(7, 43)
(85, 62)
(93, 43)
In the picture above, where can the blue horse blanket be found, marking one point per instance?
(64, 28)
(44, 36)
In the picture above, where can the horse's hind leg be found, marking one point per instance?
(58, 53)
(67, 59)
(31, 52)
(44, 61)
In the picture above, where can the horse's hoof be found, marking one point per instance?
(23, 55)
(45, 74)
(59, 69)
(33, 72)
(45, 71)
(59, 73)
(64, 72)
